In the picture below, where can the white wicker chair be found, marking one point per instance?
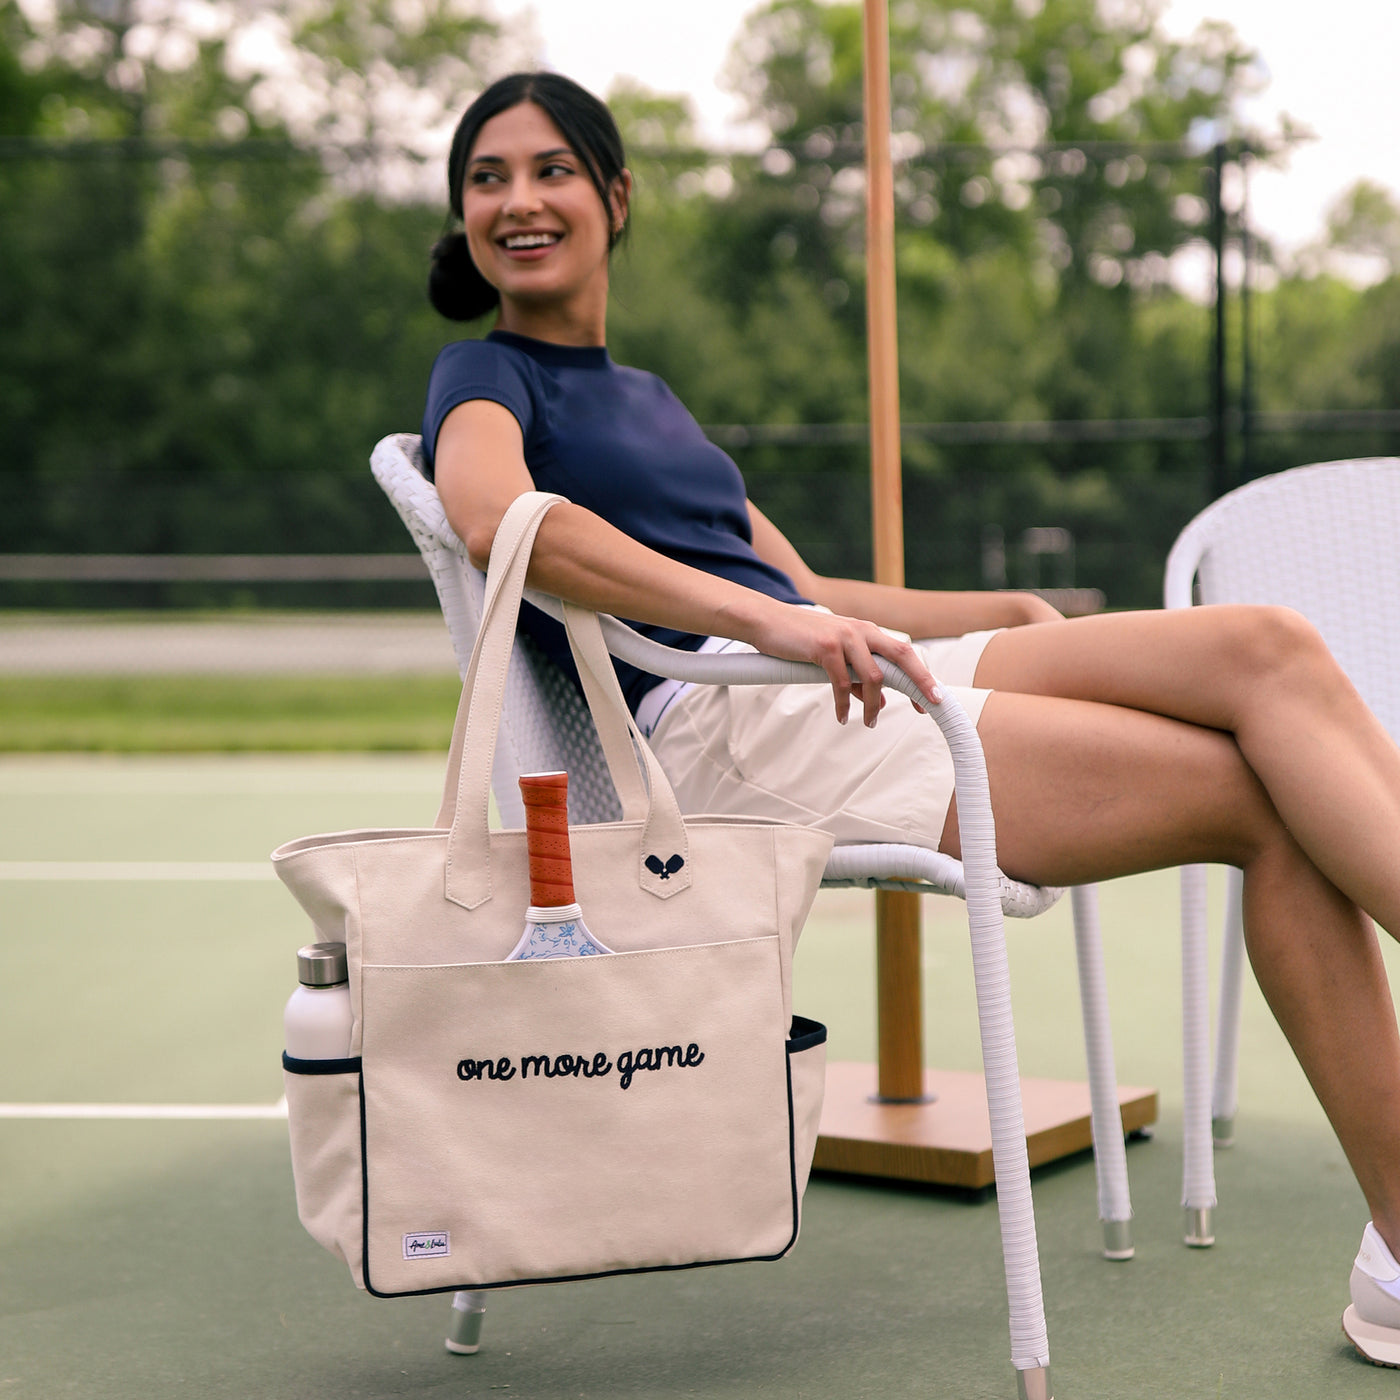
(545, 726)
(1324, 540)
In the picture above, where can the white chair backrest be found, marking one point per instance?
(545, 726)
(1324, 540)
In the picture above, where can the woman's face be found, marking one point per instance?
(535, 226)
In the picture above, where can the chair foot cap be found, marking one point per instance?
(1200, 1227)
(1034, 1384)
(464, 1331)
(1222, 1131)
(1117, 1239)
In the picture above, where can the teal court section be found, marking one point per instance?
(147, 964)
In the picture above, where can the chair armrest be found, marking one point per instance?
(976, 828)
(716, 668)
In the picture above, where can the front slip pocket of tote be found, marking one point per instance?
(556, 1119)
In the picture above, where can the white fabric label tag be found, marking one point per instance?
(427, 1244)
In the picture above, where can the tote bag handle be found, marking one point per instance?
(646, 795)
(619, 738)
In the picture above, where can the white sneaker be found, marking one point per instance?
(1372, 1322)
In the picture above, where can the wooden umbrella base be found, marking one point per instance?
(948, 1142)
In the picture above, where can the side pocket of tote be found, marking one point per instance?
(806, 1048)
(323, 1120)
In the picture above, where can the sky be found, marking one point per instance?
(1332, 68)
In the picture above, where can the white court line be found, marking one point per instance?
(136, 870)
(145, 1110)
(140, 870)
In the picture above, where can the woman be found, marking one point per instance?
(1114, 744)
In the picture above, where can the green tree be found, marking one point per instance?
(1009, 76)
(1365, 221)
(1039, 199)
(212, 256)
(205, 328)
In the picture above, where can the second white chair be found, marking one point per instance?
(1325, 541)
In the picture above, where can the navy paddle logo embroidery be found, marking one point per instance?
(653, 863)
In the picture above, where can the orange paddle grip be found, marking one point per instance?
(546, 797)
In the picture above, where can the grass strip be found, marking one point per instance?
(226, 713)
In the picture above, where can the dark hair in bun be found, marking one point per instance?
(455, 287)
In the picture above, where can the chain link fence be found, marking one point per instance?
(200, 344)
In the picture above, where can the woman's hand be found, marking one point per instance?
(845, 648)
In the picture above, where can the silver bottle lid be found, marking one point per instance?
(322, 965)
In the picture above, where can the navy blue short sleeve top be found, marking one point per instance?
(618, 442)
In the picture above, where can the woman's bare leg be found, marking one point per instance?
(1264, 676)
(1086, 791)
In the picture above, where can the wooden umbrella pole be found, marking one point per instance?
(882, 348)
(901, 1052)
(869, 1134)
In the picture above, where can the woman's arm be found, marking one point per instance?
(480, 470)
(919, 612)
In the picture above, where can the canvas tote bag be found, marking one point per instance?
(506, 1122)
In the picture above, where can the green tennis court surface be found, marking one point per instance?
(145, 956)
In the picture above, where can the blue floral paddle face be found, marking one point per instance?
(554, 926)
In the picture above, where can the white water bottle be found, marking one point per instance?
(318, 1021)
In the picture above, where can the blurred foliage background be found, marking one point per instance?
(214, 218)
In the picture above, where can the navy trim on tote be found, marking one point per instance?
(292, 1066)
(805, 1034)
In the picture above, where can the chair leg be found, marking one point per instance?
(1198, 1168)
(464, 1329)
(1224, 1097)
(1110, 1156)
(1034, 1384)
(1030, 1345)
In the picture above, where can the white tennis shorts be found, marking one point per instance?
(777, 751)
